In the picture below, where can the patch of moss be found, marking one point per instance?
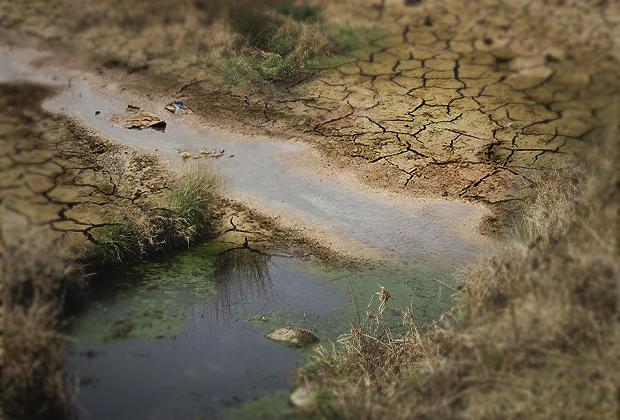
(272, 406)
(299, 12)
(149, 299)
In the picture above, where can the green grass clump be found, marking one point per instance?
(299, 12)
(184, 216)
(119, 240)
(281, 42)
(273, 43)
(190, 201)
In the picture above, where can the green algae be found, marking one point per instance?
(427, 291)
(153, 299)
(271, 406)
(149, 299)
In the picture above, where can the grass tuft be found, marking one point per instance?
(191, 202)
(184, 215)
(275, 43)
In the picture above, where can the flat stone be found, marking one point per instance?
(293, 336)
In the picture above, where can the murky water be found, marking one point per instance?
(183, 337)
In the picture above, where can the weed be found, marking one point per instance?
(182, 216)
(272, 44)
(119, 240)
(254, 22)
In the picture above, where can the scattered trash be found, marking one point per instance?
(178, 107)
(140, 119)
(216, 153)
(202, 153)
(293, 336)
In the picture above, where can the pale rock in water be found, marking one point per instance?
(303, 397)
(293, 336)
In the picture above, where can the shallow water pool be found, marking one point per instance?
(183, 336)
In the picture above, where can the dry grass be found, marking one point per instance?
(244, 42)
(34, 267)
(533, 333)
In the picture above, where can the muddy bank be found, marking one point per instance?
(94, 173)
(62, 186)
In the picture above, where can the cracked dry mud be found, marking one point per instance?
(59, 177)
(460, 99)
(469, 99)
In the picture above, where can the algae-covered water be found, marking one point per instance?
(183, 336)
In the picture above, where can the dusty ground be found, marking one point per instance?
(455, 99)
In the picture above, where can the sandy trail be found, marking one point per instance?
(262, 172)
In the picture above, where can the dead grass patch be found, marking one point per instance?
(36, 270)
(533, 334)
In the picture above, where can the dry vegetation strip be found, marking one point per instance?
(534, 334)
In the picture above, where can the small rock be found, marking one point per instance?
(303, 398)
(293, 336)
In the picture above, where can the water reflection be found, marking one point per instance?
(242, 276)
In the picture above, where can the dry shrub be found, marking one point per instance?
(533, 333)
(34, 273)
